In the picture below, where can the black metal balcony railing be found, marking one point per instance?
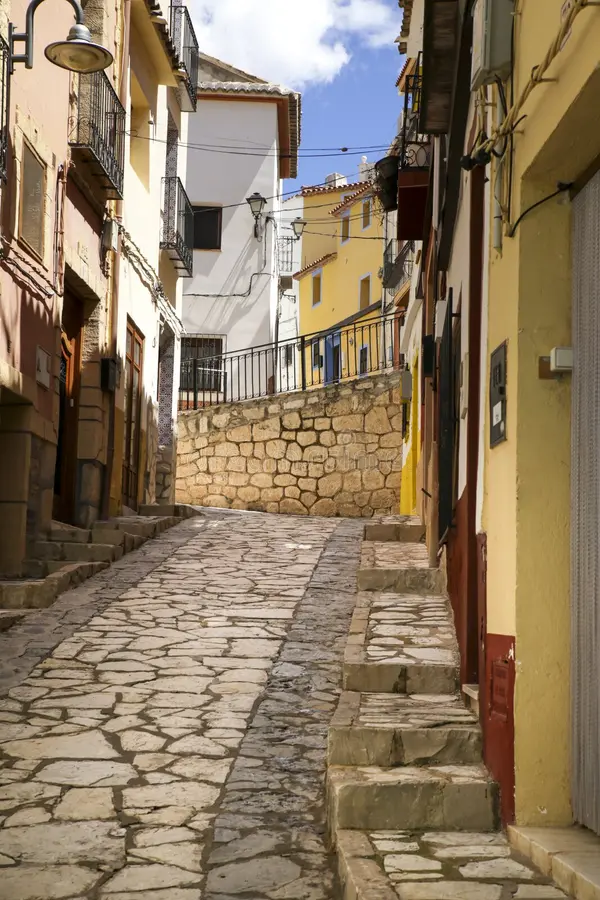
(414, 146)
(4, 106)
(397, 264)
(186, 44)
(100, 131)
(344, 354)
(177, 236)
(285, 255)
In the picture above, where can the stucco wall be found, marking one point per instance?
(333, 451)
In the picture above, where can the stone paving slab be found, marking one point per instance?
(394, 730)
(405, 865)
(398, 567)
(408, 797)
(401, 643)
(171, 744)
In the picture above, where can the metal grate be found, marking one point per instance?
(285, 254)
(585, 508)
(186, 43)
(415, 147)
(100, 131)
(4, 107)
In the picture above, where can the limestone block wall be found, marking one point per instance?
(333, 451)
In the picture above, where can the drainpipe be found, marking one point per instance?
(114, 300)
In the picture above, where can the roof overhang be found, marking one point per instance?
(155, 34)
(440, 52)
(316, 264)
(289, 113)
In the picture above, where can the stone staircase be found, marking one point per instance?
(412, 810)
(69, 555)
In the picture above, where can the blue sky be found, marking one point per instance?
(359, 108)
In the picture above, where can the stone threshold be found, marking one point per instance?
(392, 865)
(399, 567)
(570, 856)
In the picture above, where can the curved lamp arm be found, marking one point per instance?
(26, 37)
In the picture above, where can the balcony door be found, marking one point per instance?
(134, 357)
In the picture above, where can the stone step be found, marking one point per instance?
(401, 643)
(395, 730)
(69, 533)
(76, 552)
(409, 797)
(397, 567)
(471, 697)
(391, 865)
(78, 571)
(402, 532)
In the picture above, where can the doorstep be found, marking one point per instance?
(570, 856)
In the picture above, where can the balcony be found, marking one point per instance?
(99, 133)
(285, 255)
(414, 147)
(177, 236)
(186, 45)
(397, 265)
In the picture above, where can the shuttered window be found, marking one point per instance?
(33, 186)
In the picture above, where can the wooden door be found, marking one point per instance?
(65, 472)
(133, 406)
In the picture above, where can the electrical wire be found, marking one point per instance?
(290, 194)
(206, 148)
(561, 189)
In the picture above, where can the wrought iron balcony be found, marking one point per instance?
(397, 265)
(186, 44)
(99, 133)
(414, 147)
(177, 236)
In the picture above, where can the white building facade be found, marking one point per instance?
(243, 140)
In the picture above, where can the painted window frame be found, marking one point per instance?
(318, 273)
(360, 281)
(345, 218)
(38, 254)
(368, 201)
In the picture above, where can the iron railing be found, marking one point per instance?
(100, 131)
(177, 236)
(397, 265)
(414, 146)
(186, 44)
(314, 360)
(4, 107)
(285, 254)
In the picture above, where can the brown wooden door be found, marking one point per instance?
(134, 350)
(65, 472)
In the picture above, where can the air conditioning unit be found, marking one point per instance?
(492, 38)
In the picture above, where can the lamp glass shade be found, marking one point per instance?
(257, 203)
(299, 225)
(79, 53)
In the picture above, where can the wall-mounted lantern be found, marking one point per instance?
(78, 53)
(257, 203)
(298, 225)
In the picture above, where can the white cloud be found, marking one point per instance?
(294, 42)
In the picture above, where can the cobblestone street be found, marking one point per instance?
(164, 727)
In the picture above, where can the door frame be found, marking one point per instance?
(131, 477)
(63, 506)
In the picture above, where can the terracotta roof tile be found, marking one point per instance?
(323, 260)
(366, 186)
(309, 190)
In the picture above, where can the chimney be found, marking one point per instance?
(336, 180)
(365, 170)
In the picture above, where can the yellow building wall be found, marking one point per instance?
(526, 504)
(410, 461)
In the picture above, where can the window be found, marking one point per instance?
(363, 360)
(208, 224)
(345, 229)
(366, 214)
(33, 207)
(317, 359)
(288, 356)
(316, 289)
(365, 292)
(201, 363)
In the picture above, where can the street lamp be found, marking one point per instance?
(78, 53)
(257, 203)
(298, 225)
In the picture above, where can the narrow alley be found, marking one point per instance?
(174, 740)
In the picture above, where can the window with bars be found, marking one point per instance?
(201, 363)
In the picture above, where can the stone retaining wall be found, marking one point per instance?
(333, 451)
